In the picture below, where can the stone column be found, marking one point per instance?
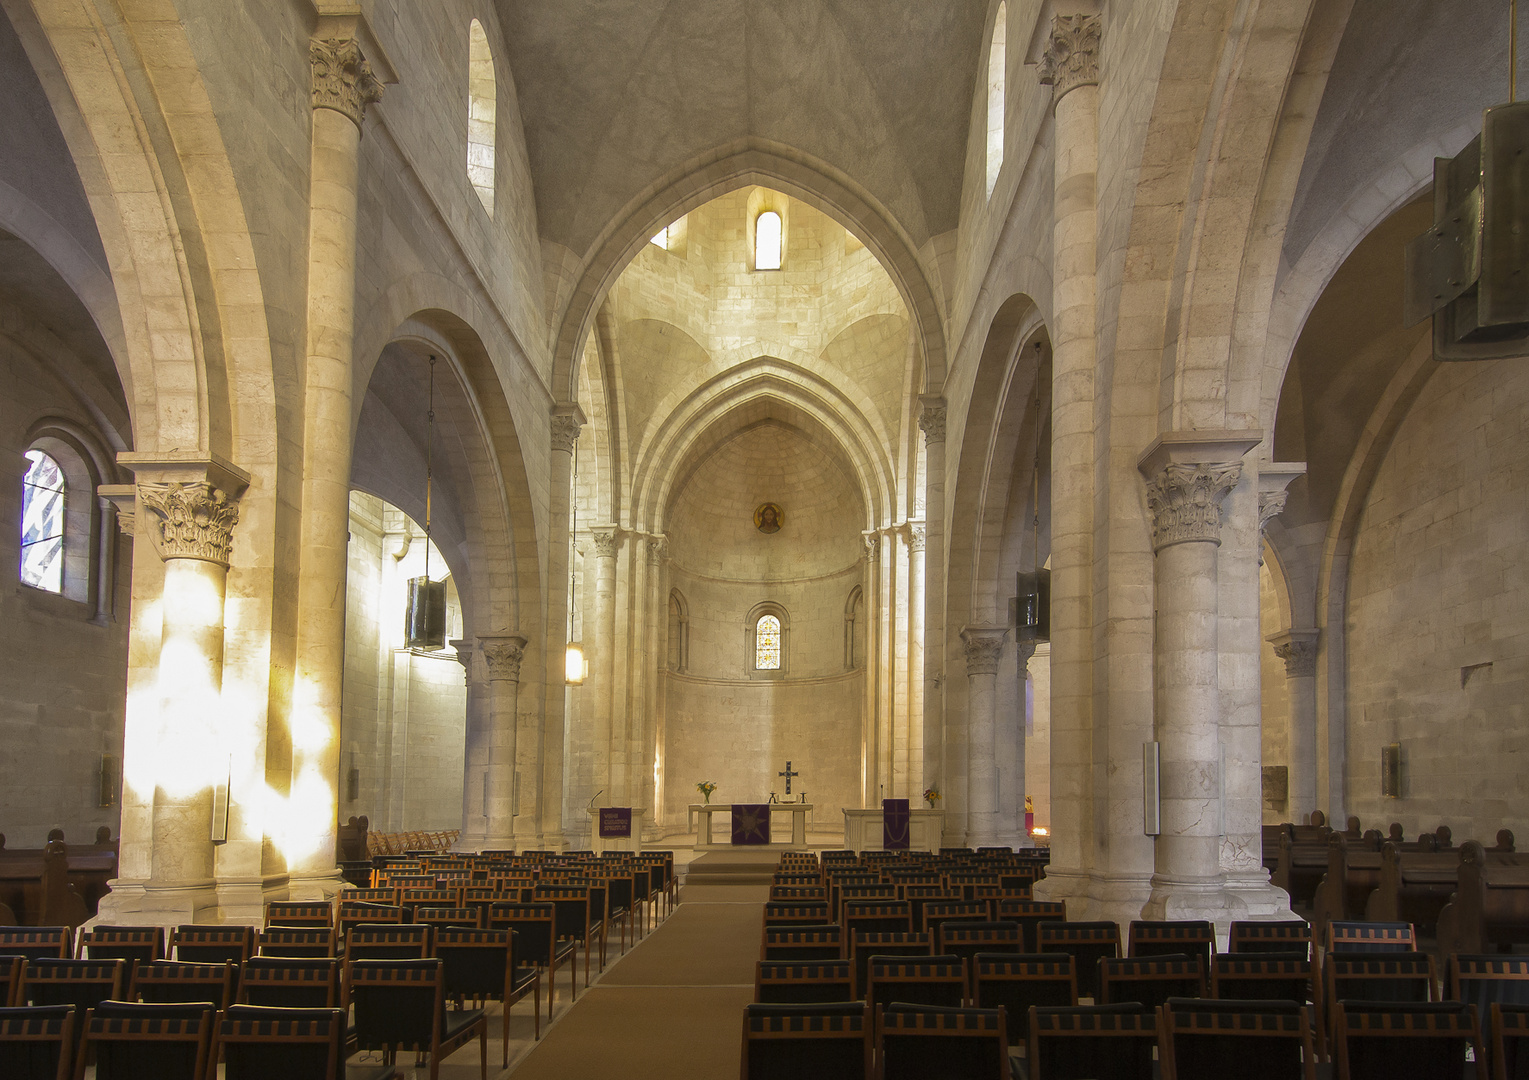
(1070, 65)
(474, 756)
(658, 558)
(1011, 830)
(870, 745)
(1298, 649)
(1188, 475)
(343, 86)
(916, 542)
(931, 421)
(608, 760)
(984, 647)
(567, 420)
(502, 654)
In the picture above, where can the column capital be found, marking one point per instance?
(192, 520)
(607, 538)
(872, 540)
(502, 654)
(1188, 474)
(567, 422)
(464, 654)
(658, 549)
(916, 536)
(931, 417)
(1071, 56)
(1274, 480)
(1298, 649)
(342, 79)
(983, 646)
(124, 499)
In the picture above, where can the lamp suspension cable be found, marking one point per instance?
(1035, 469)
(1512, 51)
(429, 462)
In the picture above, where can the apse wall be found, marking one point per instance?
(1438, 610)
(722, 723)
(403, 722)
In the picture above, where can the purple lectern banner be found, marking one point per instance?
(894, 824)
(751, 823)
(615, 822)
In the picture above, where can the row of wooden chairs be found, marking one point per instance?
(405, 842)
(1181, 1039)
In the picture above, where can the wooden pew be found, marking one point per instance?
(1353, 873)
(1415, 885)
(1302, 859)
(1490, 908)
(55, 886)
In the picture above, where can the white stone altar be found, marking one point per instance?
(704, 812)
(597, 843)
(863, 829)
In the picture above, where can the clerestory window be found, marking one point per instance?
(767, 643)
(767, 241)
(482, 102)
(42, 524)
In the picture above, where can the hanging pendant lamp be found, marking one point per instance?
(425, 617)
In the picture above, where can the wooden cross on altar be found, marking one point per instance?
(788, 774)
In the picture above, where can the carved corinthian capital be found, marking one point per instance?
(502, 655)
(190, 521)
(1071, 58)
(915, 538)
(606, 540)
(872, 540)
(983, 646)
(1298, 649)
(658, 549)
(1185, 500)
(565, 432)
(342, 79)
(931, 421)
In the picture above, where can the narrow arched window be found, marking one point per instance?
(767, 643)
(767, 241)
(482, 100)
(995, 94)
(42, 524)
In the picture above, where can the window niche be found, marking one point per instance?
(853, 626)
(766, 641)
(679, 632)
(769, 229)
(997, 81)
(482, 106)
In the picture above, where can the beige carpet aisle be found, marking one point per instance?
(673, 1006)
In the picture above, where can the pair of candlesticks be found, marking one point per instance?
(801, 798)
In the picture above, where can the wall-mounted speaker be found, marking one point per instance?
(111, 771)
(1151, 800)
(220, 806)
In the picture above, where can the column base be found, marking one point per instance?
(494, 843)
(315, 885)
(1090, 897)
(1265, 903)
(157, 903)
(1209, 899)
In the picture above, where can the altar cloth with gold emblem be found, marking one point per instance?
(751, 823)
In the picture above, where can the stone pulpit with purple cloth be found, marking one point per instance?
(895, 821)
(751, 823)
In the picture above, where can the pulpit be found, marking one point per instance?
(864, 829)
(616, 828)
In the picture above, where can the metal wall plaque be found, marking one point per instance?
(1391, 771)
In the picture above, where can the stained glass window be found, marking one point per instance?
(767, 241)
(767, 643)
(42, 524)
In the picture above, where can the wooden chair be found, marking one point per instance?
(131, 1041)
(37, 1043)
(1483, 981)
(1179, 937)
(915, 1042)
(778, 914)
(938, 911)
(1382, 1040)
(35, 942)
(1202, 1039)
(1370, 937)
(876, 917)
(799, 894)
(921, 980)
(176, 982)
(12, 981)
(1083, 1042)
(401, 1005)
(1015, 982)
(576, 923)
(83, 984)
(412, 899)
(296, 942)
(1509, 1041)
(481, 965)
(919, 895)
(135, 944)
(1030, 914)
(621, 899)
(824, 942)
(1406, 978)
(1287, 935)
(257, 1042)
(1150, 980)
(1260, 976)
(807, 1042)
(535, 926)
(388, 941)
(1087, 942)
(290, 983)
(464, 918)
(299, 913)
(212, 944)
(385, 895)
(967, 939)
(801, 982)
(864, 946)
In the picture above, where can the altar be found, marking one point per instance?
(863, 829)
(703, 813)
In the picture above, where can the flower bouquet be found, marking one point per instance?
(706, 787)
(931, 796)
